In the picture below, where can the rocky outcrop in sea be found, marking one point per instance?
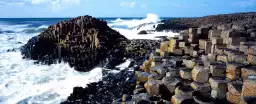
(84, 42)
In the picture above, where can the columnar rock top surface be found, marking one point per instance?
(199, 66)
(83, 42)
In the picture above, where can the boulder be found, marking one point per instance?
(218, 69)
(126, 97)
(222, 58)
(233, 70)
(155, 77)
(153, 87)
(232, 98)
(200, 74)
(203, 32)
(185, 73)
(248, 89)
(234, 92)
(141, 96)
(219, 84)
(251, 59)
(162, 70)
(192, 63)
(202, 98)
(183, 44)
(143, 77)
(217, 41)
(201, 87)
(177, 62)
(143, 32)
(237, 57)
(184, 91)
(178, 51)
(155, 99)
(248, 71)
(214, 33)
(179, 99)
(218, 94)
(172, 73)
(235, 40)
(192, 31)
(212, 56)
(171, 83)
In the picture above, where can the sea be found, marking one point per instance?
(23, 82)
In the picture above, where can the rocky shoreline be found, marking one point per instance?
(206, 65)
(200, 66)
(240, 21)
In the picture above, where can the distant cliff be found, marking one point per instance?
(239, 21)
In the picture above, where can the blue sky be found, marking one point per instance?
(122, 8)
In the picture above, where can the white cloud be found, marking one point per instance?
(12, 3)
(55, 5)
(245, 3)
(128, 4)
(38, 1)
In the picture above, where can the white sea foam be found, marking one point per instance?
(151, 18)
(135, 26)
(133, 34)
(23, 82)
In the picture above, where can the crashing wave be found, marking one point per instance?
(150, 19)
(35, 30)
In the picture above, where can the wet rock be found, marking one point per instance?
(171, 83)
(219, 87)
(84, 42)
(126, 97)
(143, 32)
(233, 70)
(184, 91)
(200, 74)
(234, 92)
(179, 99)
(153, 87)
(218, 69)
(185, 73)
(219, 84)
(201, 87)
(248, 71)
(248, 88)
(112, 87)
(202, 98)
(143, 77)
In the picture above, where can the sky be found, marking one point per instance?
(122, 8)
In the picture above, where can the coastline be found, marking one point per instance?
(132, 81)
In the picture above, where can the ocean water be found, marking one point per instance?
(23, 82)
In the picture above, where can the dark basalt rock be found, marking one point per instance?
(107, 91)
(83, 42)
(237, 21)
(141, 47)
(143, 32)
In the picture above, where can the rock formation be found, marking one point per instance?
(143, 32)
(83, 42)
(200, 66)
(238, 21)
